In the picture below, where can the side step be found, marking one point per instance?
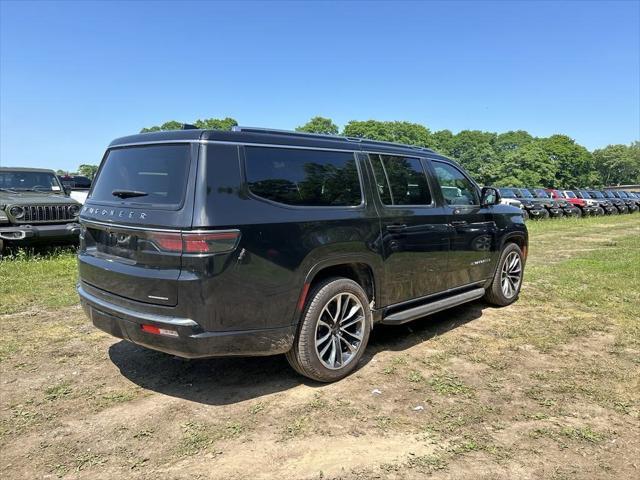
(433, 307)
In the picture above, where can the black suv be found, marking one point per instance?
(257, 242)
(532, 209)
(618, 204)
(623, 198)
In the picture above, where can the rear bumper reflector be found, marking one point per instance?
(158, 331)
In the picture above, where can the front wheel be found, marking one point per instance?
(506, 283)
(333, 332)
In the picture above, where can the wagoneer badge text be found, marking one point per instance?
(112, 212)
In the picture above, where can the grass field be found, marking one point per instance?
(546, 388)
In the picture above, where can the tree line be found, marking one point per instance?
(514, 158)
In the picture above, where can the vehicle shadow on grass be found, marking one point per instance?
(223, 381)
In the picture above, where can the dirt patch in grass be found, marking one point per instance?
(546, 388)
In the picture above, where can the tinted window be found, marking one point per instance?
(159, 173)
(456, 188)
(311, 178)
(400, 180)
(569, 194)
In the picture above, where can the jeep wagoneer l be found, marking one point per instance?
(258, 242)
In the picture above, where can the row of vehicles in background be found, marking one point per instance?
(542, 203)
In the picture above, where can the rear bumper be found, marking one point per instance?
(191, 340)
(35, 233)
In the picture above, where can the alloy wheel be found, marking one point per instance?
(340, 330)
(511, 275)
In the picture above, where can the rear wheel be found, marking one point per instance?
(333, 332)
(506, 283)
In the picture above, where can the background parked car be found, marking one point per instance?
(34, 208)
(606, 206)
(632, 207)
(620, 206)
(530, 209)
(78, 186)
(554, 210)
(571, 197)
(568, 210)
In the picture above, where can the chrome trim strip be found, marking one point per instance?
(153, 229)
(129, 227)
(149, 317)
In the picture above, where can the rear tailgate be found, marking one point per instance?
(142, 197)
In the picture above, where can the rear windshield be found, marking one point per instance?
(150, 176)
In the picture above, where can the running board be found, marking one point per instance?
(416, 312)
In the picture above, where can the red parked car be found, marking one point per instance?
(570, 197)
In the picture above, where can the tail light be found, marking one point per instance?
(197, 242)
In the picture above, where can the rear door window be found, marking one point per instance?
(400, 180)
(306, 178)
(154, 175)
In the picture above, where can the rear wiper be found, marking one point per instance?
(128, 193)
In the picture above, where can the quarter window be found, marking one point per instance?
(456, 188)
(400, 180)
(313, 178)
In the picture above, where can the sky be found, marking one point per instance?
(75, 75)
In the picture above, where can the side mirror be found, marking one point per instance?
(67, 190)
(489, 196)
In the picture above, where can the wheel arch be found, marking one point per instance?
(357, 269)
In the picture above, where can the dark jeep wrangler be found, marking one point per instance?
(35, 208)
(257, 242)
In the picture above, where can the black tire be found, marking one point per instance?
(495, 293)
(545, 214)
(304, 356)
(577, 213)
(599, 212)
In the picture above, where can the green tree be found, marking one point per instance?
(206, 124)
(442, 141)
(509, 141)
(528, 166)
(475, 151)
(574, 163)
(319, 125)
(618, 164)
(88, 170)
(400, 132)
(216, 123)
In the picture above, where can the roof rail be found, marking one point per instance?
(239, 128)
